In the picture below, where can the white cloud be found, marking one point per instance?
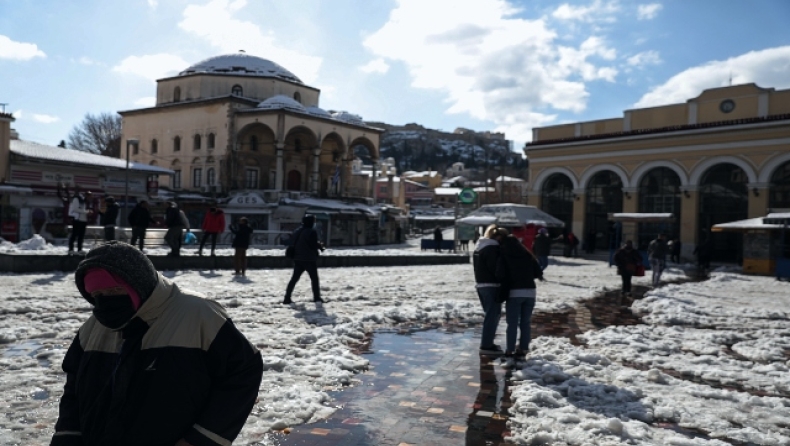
(153, 3)
(643, 59)
(766, 68)
(45, 119)
(88, 61)
(18, 50)
(491, 65)
(597, 11)
(152, 66)
(148, 101)
(215, 23)
(648, 12)
(375, 66)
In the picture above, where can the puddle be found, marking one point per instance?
(31, 349)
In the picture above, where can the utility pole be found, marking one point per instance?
(129, 142)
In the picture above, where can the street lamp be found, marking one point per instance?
(129, 142)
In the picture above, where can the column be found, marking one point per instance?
(314, 180)
(758, 200)
(279, 147)
(689, 211)
(579, 203)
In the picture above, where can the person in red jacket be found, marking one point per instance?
(213, 225)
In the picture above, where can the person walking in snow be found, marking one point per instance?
(488, 287)
(541, 247)
(657, 254)
(241, 241)
(139, 219)
(176, 223)
(438, 238)
(79, 211)
(155, 364)
(306, 248)
(213, 225)
(517, 269)
(627, 260)
(108, 216)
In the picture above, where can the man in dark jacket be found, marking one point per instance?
(155, 364)
(139, 219)
(108, 216)
(306, 247)
(627, 260)
(541, 247)
(438, 238)
(175, 229)
(488, 287)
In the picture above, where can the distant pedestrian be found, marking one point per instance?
(155, 364)
(674, 250)
(573, 242)
(541, 247)
(488, 287)
(477, 237)
(627, 260)
(306, 248)
(79, 211)
(139, 219)
(108, 217)
(518, 269)
(438, 238)
(703, 253)
(176, 223)
(241, 241)
(657, 254)
(213, 225)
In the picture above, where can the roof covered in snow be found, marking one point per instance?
(511, 214)
(444, 191)
(241, 64)
(332, 206)
(281, 101)
(30, 149)
(505, 178)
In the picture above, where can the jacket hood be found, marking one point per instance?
(485, 242)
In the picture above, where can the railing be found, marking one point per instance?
(155, 237)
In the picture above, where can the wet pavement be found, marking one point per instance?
(427, 385)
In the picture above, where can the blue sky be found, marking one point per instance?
(482, 64)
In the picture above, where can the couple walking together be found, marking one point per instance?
(505, 271)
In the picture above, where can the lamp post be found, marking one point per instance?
(129, 142)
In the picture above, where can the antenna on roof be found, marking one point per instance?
(3, 104)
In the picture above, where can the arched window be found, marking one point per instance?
(177, 94)
(557, 198)
(197, 177)
(298, 97)
(237, 90)
(154, 146)
(723, 197)
(254, 143)
(659, 192)
(196, 144)
(210, 178)
(779, 192)
(177, 144)
(604, 195)
(210, 142)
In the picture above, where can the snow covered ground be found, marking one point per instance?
(617, 389)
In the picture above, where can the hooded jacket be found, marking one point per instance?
(517, 268)
(178, 369)
(214, 222)
(110, 214)
(140, 217)
(484, 261)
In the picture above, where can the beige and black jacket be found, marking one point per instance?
(178, 369)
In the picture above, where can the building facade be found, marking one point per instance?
(719, 157)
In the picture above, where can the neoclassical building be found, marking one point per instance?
(242, 123)
(719, 157)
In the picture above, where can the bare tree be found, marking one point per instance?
(99, 134)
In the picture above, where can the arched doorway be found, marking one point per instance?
(779, 192)
(556, 198)
(604, 196)
(659, 192)
(724, 197)
(294, 180)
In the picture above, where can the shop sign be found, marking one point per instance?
(247, 200)
(57, 177)
(467, 196)
(135, 184)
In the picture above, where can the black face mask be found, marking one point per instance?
(113, 311)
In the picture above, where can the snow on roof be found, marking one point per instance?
(332, 205)
(641, 216)
(511, 214)
(386, 180)
(424, 173)
(447, 190)
(43, 152)
(281, 101)
(241, 64)
(484, 189)
(744, 225)
(507, 178)
(348, 117)
(318, 111)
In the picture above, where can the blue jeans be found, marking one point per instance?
(543, 261)
(657, 265)
(493, 310)
(519, 315)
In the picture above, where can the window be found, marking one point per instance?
(135, 149)
(177, 94)
(176, 179)
(236, 90)
(210, 142)
(197, 142)
(604, 196)
(154, 146)
(177, 144)
(557, 198)
(298, 97)
(254, 143)
(197, 177)
(210, 176)
(251, 178)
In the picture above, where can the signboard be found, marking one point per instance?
(135, 184)
(467, 196)
(246, 201)
(57, 177)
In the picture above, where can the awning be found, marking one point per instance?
(641, 217)
(477, 220)
(750, 224)
(17, 190)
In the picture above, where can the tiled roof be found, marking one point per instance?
(675, 128)
(30, 149)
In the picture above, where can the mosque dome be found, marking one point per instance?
(282, 102)
(348, 117)
(318, 111)
(241, 64)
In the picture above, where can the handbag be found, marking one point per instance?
(640, 270)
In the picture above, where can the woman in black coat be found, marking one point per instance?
(241, 241)
(518, 269)
(627, 260)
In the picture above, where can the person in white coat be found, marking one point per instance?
(79, 212)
